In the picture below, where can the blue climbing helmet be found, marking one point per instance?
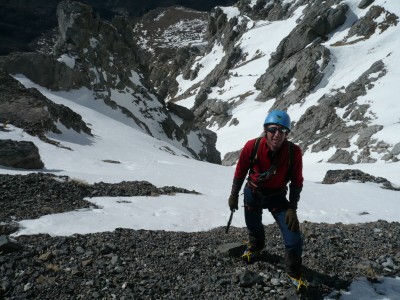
(279, 117)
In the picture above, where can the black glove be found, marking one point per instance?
(233, 202)
(294, 196)
(291, 220)
(234, 197)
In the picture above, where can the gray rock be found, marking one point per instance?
(335, 176)
(44, 70)
(30, 110)
(320, 19)
(365, 3)
(396, 149)
(180, 111)
(341, 157)
(219, 107)
(319, 122)
(231, 158)
(366, 133)
(366, 26)
(232, 249)
(8, 244)
(387, 157)
(20, 155)
(248, 279)
(302, 68)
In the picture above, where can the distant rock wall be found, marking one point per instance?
(104, 57)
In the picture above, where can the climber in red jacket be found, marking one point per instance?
(272, 162)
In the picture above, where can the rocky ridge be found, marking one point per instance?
(164, 265)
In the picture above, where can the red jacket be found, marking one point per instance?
(263, 163)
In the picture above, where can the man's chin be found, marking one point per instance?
(275, 146)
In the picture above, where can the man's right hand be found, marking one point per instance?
(233, 202)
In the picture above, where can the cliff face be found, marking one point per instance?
(101, 55)
(24, 21)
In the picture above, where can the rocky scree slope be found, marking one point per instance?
(165, 265)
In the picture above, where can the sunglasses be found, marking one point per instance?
(273, 130)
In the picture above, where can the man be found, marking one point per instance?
(272, 162)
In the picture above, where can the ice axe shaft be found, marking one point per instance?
(229, 221)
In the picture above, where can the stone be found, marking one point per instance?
(396, 149)
(232, 249)
(365, 3)
(248, 279)
(180, 111)
(335, 176)
(8, 244)
(20, 155)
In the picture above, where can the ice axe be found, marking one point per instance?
(229, 221)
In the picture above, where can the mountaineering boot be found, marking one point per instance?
(251, 253)
(299, 283)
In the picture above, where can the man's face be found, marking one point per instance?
(275, 135)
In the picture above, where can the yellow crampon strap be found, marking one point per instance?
(247, 256)
(299, 283)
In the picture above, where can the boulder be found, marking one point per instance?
(231, 158)
(335, 176)
(181, 111)
(22, 155)
(396, 149)
(365, 3)
(366, 133)
(8, 244)
(232, 249)
(342, 157)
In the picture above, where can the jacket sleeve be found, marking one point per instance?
(242, 167)
(296, 179)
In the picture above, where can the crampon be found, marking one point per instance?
(299, 283)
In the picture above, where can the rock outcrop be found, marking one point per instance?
(335, 176)
(30, 110)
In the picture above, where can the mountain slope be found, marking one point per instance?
(205, 82)
(331, 64)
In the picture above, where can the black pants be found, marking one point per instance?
(254, 204)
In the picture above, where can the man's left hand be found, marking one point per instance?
(291, 220)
